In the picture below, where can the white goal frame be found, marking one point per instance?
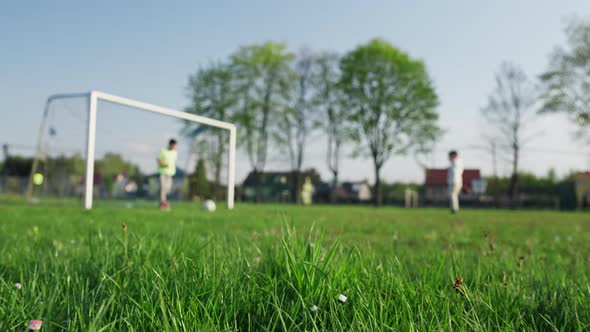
(93, 98)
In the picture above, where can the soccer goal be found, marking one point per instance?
(83, 127)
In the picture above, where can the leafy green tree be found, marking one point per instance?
(198, 183)
(566, 83)
(112, 164)
(552, 175)
(264, 84)
(17, 166)
(212, 94)
(391, 101)
(528, 183)
(61, 172)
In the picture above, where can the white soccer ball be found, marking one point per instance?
(209, 205)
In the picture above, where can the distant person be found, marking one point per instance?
(455, 179)
(307, 192)
(167, 168)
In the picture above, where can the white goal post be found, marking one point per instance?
(93, 98)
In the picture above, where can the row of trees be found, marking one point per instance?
(376, 97)
(60, 171)
(109, 165)
(516, 100)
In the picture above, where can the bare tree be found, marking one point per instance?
(208, 147)
(334, 121)
(510, 109)
(297, 120)
(490, 146)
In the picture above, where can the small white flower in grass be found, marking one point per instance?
(18, 285)
(314, 308)
(342, 298)
(35, 325)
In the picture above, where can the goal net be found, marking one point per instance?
(102, 147)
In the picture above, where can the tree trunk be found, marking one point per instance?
(217, 192)
(378, 200)
(258, 184)
(297, 186)
(334, 187)
(217, 180)
(513, 187)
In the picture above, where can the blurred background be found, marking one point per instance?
(344, 101)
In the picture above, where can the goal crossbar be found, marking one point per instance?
(94, 97)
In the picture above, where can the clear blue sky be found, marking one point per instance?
(146, 50)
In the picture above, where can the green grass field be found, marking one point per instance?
(264, 268)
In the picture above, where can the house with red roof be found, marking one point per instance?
(436, 187)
